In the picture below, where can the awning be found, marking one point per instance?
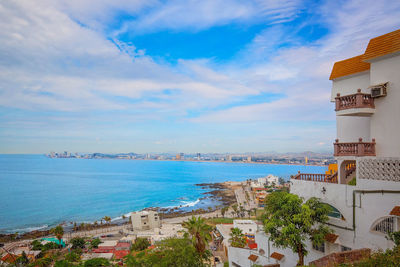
(395, 211)
(253, 257)
(332, 238)
(277, 256)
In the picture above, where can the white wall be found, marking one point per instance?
(348, 85)
(369, 208)
(351, 128)
(385, 123)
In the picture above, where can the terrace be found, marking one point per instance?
(359, 104)
(357, 149)
(317, 177)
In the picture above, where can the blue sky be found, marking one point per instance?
(168, 76)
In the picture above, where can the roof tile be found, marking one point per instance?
(395, 211)
(383, 45)
(349, 66)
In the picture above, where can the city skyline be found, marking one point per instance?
(187, 76)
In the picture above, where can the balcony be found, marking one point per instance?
(360, 149)
(317, 177)
(358, 104)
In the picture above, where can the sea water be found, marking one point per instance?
(38, 192)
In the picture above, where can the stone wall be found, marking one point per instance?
(337, 258)
(387, 169)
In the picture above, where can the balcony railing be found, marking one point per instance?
(317, 177)
(359, 149)
(358, 100)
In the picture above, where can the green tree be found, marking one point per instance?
(72, 257)
(141, 243)
(96, 262)
(281, 181)
(106, 219)
(237, 238)
(199, 232)
(43, 262)
(63, 263)
(58, 232)
(178, 252)
(95, 243)
(290, 221)
(223, 211)
(235, 208)
(22, 260)
(36, 245)
(77, 242)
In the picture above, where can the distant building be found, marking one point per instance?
(306, 160)
(198, 156)
(178, 157)
(229, 158)
(145, 220)
(249, 158)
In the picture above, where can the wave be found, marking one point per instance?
(27, 229)
(184, 204)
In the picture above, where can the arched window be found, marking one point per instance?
(334, 212)
(386, 225)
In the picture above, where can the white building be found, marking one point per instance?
(366, 92)
(145, 220)
(248, 227)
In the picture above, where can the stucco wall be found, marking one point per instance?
(385, 123)
(349, 85)
(351, 128)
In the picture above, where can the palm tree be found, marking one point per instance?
(106, 219)
(199, 232)
(235, 208)
(237, 238)
(241, 211)
(224, 210)
(58, 232)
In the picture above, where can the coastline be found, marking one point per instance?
(219, 194)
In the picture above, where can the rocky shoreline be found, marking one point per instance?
(219, 192)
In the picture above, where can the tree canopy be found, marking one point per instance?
(290, 221)
(178, 252)
(199, 232)
(237, 238)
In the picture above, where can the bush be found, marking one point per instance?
(77, 242)
(140, 244)
(63, 263)
(95, 243)
(36, 245)
(96, 262)
(353, 181)
(72, 257)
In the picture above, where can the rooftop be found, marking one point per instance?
(383, 45)
(349, 66)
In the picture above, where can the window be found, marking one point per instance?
(335, 213)
(386, 225)
(320, 248)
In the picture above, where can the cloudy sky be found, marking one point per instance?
(188, 76)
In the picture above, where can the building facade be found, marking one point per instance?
(364, 193)
(145, 220)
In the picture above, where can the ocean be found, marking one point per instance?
(37, 192)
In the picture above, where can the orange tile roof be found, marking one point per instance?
(277, 256)
(349, 66)
(253, 257)
(395, 211)
(331, 237)
(383, 45)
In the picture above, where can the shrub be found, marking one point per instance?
(353, 181)
(95, 243)
(140, 244)
(77, 242)
(96, 262)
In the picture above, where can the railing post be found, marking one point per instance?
(337, 102)
(359, 99)
(373, 147)
(336, 147)
(360, 148)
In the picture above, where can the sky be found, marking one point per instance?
(177, 76)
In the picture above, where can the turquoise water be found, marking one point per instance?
(36, 191)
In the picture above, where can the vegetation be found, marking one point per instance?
(237, 238)
(97, 262)
(141, 243)
(290, 222)
(73, 257)
(178, 252)
(353, 181)
(22, 260)
(77, 242)
(215, 221)
(63, 263)
(224, 210)
(199, 232)
(281, 181)
(389, 258)
(95, 243)
(58, 232)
